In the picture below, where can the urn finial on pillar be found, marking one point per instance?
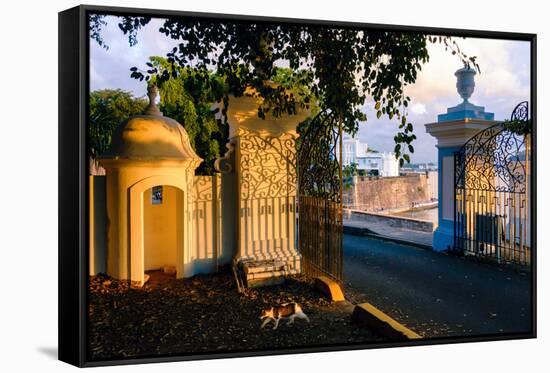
(465, 83)
(152, 108)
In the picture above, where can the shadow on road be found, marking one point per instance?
(437, 295)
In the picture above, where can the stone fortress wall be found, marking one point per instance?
(379, 194)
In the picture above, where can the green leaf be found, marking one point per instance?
(354, 68)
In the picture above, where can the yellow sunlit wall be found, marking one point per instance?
(265, 170)
(148, 151)
(160, 228)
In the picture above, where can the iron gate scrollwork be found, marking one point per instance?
(320, 224)
(492, 171)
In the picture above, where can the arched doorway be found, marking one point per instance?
(158, 233)
(162, 206)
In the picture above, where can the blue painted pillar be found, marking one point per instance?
(452, 130)
(444, 233)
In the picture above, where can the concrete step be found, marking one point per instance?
(264, 272)
(278, 256)
(270, 281)
(263, 266)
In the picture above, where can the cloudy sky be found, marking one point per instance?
(503, 82)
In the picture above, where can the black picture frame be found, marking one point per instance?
(73, 182)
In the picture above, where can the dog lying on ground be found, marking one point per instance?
(287, 310)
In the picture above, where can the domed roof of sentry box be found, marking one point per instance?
(151, 137)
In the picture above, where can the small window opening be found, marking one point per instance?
(156, 195)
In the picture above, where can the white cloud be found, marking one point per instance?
(503, 64)
(111, 68)
(418, 109)
(503, 82)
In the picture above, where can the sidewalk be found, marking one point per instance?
(387, 232)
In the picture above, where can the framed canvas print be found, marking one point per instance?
(238, 186)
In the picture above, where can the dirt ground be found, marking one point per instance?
(205, 313)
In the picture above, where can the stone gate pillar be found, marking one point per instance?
(452, 130)
(264, 162)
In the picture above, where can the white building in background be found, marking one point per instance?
(372, 163)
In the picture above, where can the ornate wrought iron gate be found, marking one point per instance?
(492, 173)
(320, 226)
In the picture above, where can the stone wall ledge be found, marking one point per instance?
(393, 221)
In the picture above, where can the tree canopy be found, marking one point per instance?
(188, 98)
(348, 173)
(108, 108)
(344, 67)
(183, 99)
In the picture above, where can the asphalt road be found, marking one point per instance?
(436, 294)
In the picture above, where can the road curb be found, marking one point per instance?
(356, 231)
(330, 288)
(367, 314)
